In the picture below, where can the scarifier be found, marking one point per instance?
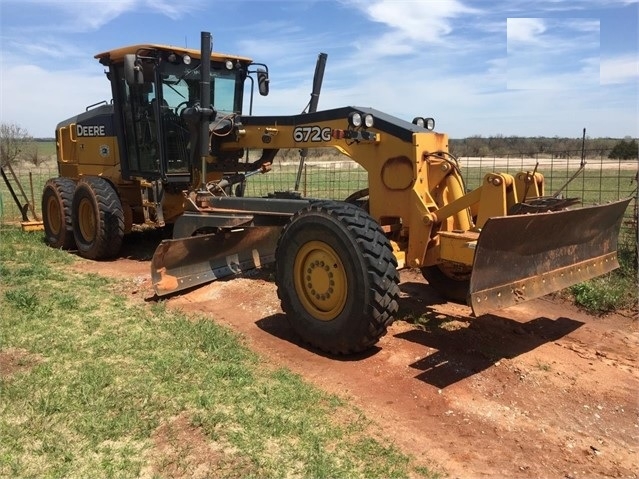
(173, 145)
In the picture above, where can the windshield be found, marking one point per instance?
(181, 87)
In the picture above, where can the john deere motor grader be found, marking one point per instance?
(172, 147)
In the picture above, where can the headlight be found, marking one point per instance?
(186, 59)
(355, 119)
(229, 65)
(368, 120)
(428, 123)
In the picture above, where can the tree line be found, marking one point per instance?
(555, 147)
(521, 147)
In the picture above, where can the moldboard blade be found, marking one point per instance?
(523, 257)
(180, 264)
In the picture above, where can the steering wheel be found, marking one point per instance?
(180, 108)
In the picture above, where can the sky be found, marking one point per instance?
(479, 67)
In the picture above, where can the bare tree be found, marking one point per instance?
(13, 140)
(32, 154)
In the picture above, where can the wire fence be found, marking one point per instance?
(601, 180)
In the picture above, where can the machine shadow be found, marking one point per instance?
(277, 325)
(140, 245)
(466, 345)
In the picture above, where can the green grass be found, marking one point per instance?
(605, 294)
(616, 290)
(45, 148)
(317, 181)
(103, 387)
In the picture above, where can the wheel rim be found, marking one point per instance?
(320, 280)
(53, 214)
(86, 219)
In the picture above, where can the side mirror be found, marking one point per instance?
(132, 72)
(262, 81)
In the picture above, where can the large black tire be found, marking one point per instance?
(57, 198)
(98, 219)
(336, 277)
(452, 287)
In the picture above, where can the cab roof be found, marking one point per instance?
(117, 54)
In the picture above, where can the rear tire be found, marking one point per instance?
(98, 219)
(336, 277)
(57, 198)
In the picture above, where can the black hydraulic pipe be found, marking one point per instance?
(317, 82)
(318, 77)
(205, 100)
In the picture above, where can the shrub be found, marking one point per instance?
(625, 150)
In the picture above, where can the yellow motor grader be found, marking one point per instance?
(172, 148)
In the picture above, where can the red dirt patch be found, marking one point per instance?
(182, 450)
(537, 390)
(13, 361)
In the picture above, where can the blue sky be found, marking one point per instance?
(510, 67)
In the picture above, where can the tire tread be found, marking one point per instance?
(110, 228)
(63, 189)
(381, 267)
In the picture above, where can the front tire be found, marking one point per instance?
(57, 198)
(336, 277)
(98, 219)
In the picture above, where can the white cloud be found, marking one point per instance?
(416, 21)
(525, 30)
(91, 15)
(83, 16)
(619, 69)
(172, 8)
(40, 98)
(582, 24)
(46, 48)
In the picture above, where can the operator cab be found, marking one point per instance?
(152, 85)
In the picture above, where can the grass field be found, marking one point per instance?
(94, 386)
(45, 148)
(337, 181)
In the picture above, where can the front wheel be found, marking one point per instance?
(336, 277)
(98, 219)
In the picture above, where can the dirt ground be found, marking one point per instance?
(537, 390)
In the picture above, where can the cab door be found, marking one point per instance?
(141, 130)
(67, 150)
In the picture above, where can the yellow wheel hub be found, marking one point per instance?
(320, 280)
(87, 220)
(53, 214)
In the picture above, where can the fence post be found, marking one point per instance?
(305, 178)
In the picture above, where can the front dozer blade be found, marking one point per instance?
(180, 264)
(522, 257)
